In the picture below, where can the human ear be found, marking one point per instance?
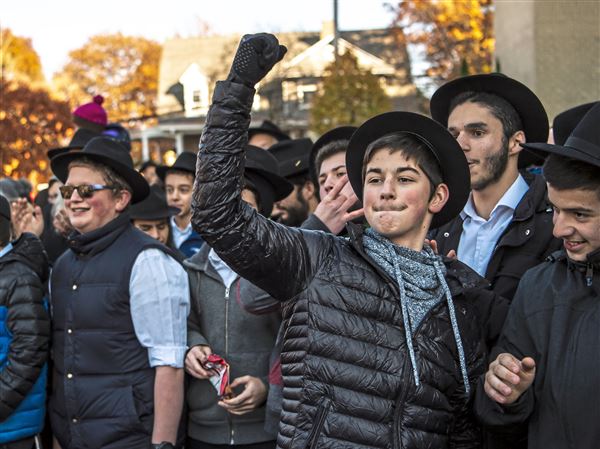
(439, 198)
(515, 141)
(123, 200)
(308, 190)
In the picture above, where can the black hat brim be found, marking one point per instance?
(565, 151)
(526, 103)
(451, 159)
(154, 214)
(138, 184)
(276, 134)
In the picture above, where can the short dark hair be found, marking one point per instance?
(563, 173)
(5, 231)
(413, 148)
(498, 106)
(335, 147)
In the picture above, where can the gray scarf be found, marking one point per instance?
(421, 280)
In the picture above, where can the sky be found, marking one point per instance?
(59, 26)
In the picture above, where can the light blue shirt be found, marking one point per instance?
(159, 297)
(4, 251)
(180, 236)
(226, 273)
(479, 236)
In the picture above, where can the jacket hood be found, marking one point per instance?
(198, 261)
(28, 249)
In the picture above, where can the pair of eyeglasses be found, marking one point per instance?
(84, 190)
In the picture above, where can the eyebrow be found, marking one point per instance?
(475, 125)
(334, 169)
(398, 170)
(573, 209)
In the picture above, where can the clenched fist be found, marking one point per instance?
(255, 56)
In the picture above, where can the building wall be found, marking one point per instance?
(553, 46)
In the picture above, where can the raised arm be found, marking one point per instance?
(271, 256)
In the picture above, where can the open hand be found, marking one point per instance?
(508, 378)
(26, 217)
(254, 395)
(333, 208)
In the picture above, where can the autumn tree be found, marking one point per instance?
(19, 62)
(457, 36)
(348, 95)
(124, 69)
(31, 122)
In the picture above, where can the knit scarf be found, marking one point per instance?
(422, 284)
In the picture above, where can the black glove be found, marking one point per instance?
(255, 56)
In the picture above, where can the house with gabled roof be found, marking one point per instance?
(190, 67)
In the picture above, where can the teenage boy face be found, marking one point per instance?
(576, 220)
(331, 170)
(157, 229)
(179, 188)
(102, 207)
(396, 198)
(481, 137)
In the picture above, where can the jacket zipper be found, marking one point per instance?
(315, 433)
(397, 440)
(229, 421)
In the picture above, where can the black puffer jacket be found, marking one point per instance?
(526, 242)
(347, 376)
(23, 273)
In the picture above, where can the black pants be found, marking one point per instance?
(195, 444)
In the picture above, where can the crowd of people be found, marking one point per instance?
(412, 282)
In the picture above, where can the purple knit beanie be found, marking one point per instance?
(92, 112)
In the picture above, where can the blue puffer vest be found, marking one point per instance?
(28, 419)
(103, 394)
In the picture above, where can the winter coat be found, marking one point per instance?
(24, 339)
(218, 320)
(348, 381)
(554, 318)
(526, 242)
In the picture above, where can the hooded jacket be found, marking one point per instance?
(348, 381)
(554, 318)
(526, 242)
(24, 339)
(218, 320)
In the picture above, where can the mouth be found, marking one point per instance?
(79, 210)
(472, 162)
(573, 245)
(389, 209)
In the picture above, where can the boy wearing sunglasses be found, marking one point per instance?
(120, 301)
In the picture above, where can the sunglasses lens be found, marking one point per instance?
(85, 191)
(66, 191)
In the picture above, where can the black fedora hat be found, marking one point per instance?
(110, 153)
(154, 207)
(262, 171)
(447, 151)
(270, 128)
(78, 141)
(186, 161)
(565, 122)
(4, 207)
(526, 103)
(333, 135)
(292, 156)
(584, 142)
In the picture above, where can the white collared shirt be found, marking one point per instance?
(479, 236)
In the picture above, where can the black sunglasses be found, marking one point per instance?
(84, 190)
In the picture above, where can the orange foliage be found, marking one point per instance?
(457, 34)
(124, 69)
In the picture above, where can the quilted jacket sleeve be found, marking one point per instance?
(271, 256)
(28, 322)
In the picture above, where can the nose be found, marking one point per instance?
(463, 141)
(387, 190)
(153, 232)
(562, 229)
(329, 183)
